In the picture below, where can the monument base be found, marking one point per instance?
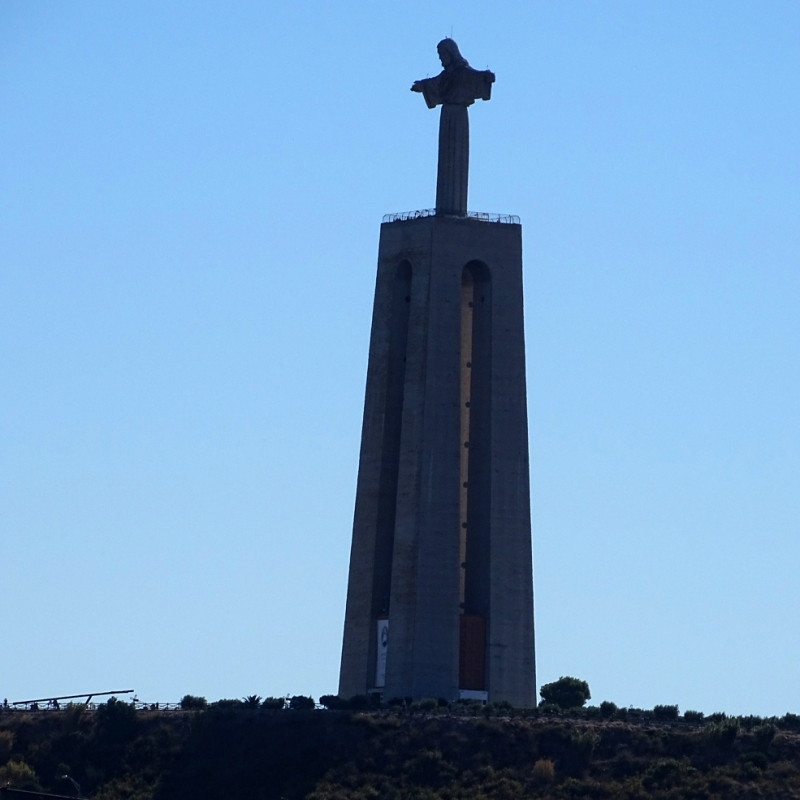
(442, 519)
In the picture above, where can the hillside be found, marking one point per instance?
(232, 752)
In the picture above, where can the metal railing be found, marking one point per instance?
(482, 216)
(55, 706)
(54, 703)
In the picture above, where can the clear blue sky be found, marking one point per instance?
(190, 196)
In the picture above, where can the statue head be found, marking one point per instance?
(450, 56)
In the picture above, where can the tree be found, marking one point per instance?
(301, 703)
(566, 692)
(190, 702)
(251, 701)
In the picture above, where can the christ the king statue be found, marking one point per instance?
(455, 88)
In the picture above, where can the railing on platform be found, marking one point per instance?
(482, 216)
(54, 703)
(56, 706)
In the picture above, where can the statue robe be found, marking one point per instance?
(455, 89)
(461, 86)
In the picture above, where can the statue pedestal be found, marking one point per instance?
(441, 535)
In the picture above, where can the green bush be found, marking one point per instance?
(273, 703)
(585, 741)
(608, 709)
(6, 745)
(399, 702)
(693, 716)
(757, 759)
(191, 703)
(498, 708)
(566, 692)
(723, 734)
(117, 720)
(763, 735)
(665, 712)
(667, 773)
(548, 709)
(332, 702)
(301, 703)
(749, 722)
(790, 722)
(18, 775)
(425, 704)
(226, 703)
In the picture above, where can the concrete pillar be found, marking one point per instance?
(420, 462)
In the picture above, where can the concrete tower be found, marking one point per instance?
(440, 592)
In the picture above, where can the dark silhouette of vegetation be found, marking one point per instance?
(566, 692)
(361, 702)
(665, 712)
(248, 750)
(252, 701)
(191, 703)
(608, 709)
(301, 703)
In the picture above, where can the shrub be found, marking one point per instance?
(666, 773)
(585, 741)
(396, 702)
(360, 702)
(273, 703)
(332, 702)
(499, 707)
(757, 759)
(467, 707)
(226, 703)
(693, 716)
(6, 745)
(608, 709)
(425, 704)
(301, 703)
(117, 720)
(544, 771)
(430, 768)
(566, 692)
(763, 735)
(18, 775)
(723, 734)
(789, 722)
(665, 712)
(191, 703)
(749, 722)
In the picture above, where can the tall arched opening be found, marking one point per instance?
(475, 473)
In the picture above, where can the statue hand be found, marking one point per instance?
(417, 86)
